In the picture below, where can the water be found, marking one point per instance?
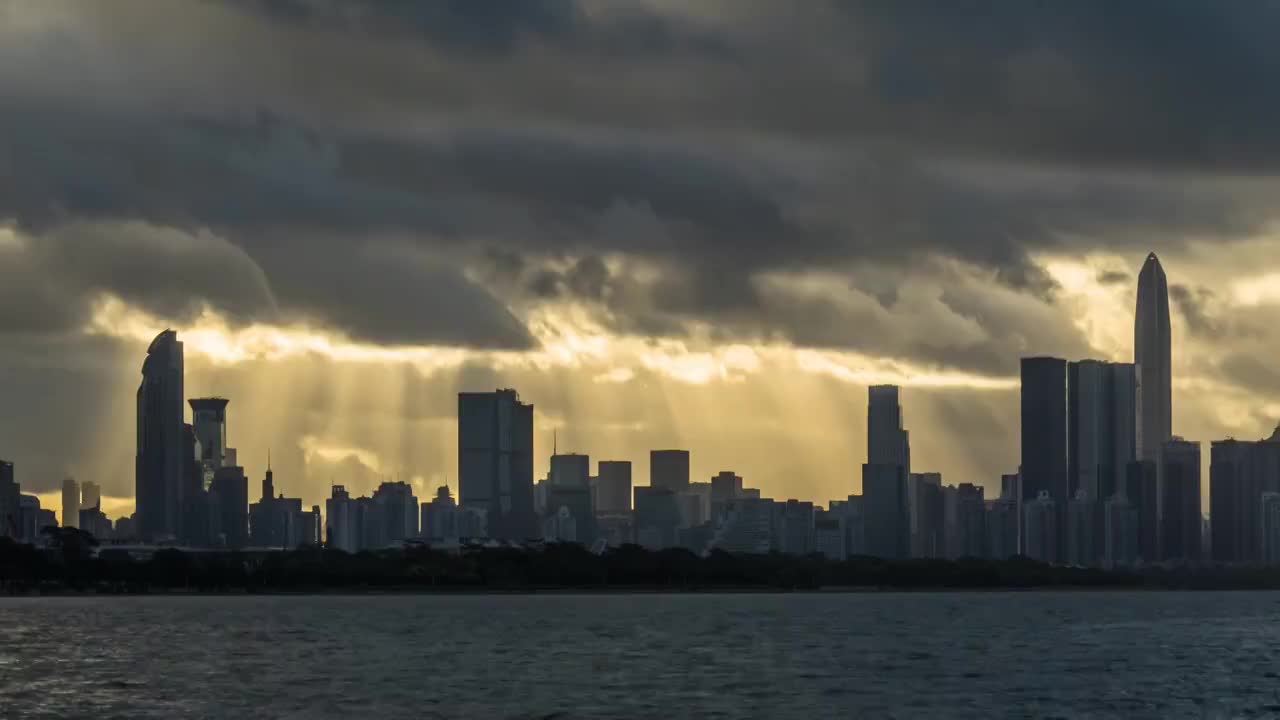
(1071, 655)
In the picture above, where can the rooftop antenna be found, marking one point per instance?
(268, 459)
(555, 443)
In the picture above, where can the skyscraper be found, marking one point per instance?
(70, 503)
(10, 502)
(495, 461)
(209, 420)
(158, 463)
(613, 489)
(1151, 353)
(669, 469)
(888, 466)
(887, 525)
(90, 494)
(1044, 425)
(1103, 428)
(1180, 481)
(887, 442)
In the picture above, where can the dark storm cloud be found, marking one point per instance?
(1148, 83)
(483, 28)
(1191, 304)
(879, 140)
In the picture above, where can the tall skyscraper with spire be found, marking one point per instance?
(1151, 353)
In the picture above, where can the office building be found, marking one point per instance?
(1102, 432)
(10, 501)
(889, 444)
(93, 521)
(575, 500)
(656, 517)
(613, 487)
(571, 470)
(341, 524)
(1010, 487)
(229, 507)
(1040, 528)
(560, 526)
(90, 494)
(158, 472)
(884, 495)
(276, 521)
(971, 523)
(1121, 522)
(1081, 527)
(1002, 528)
(1239, 472)
(928, 539)
(209, 425)
(1152, 356)
(669, 469)
(829, 535)
(1270, 525)
(747, 527)
(495, 462)
(1180, 481)
(1044, 424)
(397, 511)
(440, 517)
(1141, 491)
(793, 527)
(70, 503)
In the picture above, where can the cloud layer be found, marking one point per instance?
(930, 186)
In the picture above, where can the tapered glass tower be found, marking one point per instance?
(1151, 353)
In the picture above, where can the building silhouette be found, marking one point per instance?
(495, 461)
(1180, 482)
(884, 496)
(1044, 424)
(1040, 528)
(1152, 355)
(613, 487)
(1141, 491)
(887, 498)
(669, 469)
(70, 503)
(1239, 473)
(158, 473)
(10, 502)
(209, 423)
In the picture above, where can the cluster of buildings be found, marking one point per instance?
(1103, 481)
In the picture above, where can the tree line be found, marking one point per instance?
(73, 562)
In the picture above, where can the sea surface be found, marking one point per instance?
(920, 655)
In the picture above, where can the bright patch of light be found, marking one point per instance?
(313, 447)
(861, 370)
(1259, 290)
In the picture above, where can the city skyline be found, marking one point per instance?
(119, 506)
(716, 236)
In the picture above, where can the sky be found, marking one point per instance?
(702, 225)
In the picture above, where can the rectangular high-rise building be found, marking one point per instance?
(613, 488)
(889, 445)
(1270, 522)
(10, 502)
(570, 470)
(1102, 431)
(1045, 435)
(1239, 473)
(70, 503)
(884, 496)
(495, 461)
(669, 470)
(1141, 491)
(1180, 490)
